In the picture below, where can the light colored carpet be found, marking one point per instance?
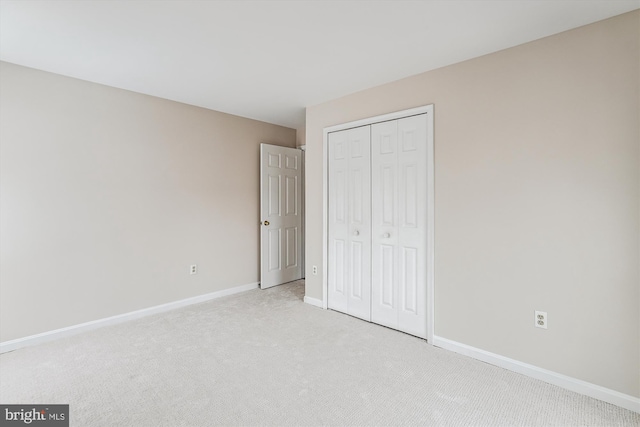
(266, 358)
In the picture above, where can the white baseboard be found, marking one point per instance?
(598, 392)
(313, 301)
(11, 345)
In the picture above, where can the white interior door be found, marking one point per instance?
(281, 215)
(399, 224)
(349, 237)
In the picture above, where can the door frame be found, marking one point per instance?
(428, 110)
(303, 148)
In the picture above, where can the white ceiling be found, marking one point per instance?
(268, 60)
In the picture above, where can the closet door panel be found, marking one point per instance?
(412, 225)
(384, 214)
(359, 229)
(350, 222)
(338, 221)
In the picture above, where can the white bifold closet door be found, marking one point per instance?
(399, 224)
(377, 224)
(350, 222)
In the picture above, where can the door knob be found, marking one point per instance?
(356, 233)
(386, 235)
(266, 223)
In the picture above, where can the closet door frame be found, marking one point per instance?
(430, 263)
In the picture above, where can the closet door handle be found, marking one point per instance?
(386, 235)
(356, 233)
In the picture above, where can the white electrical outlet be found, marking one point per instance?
(193, 269)
(314, 269)
(541, 319)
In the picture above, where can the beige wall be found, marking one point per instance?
(107, 197)
(537, 198)
(301, 136)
